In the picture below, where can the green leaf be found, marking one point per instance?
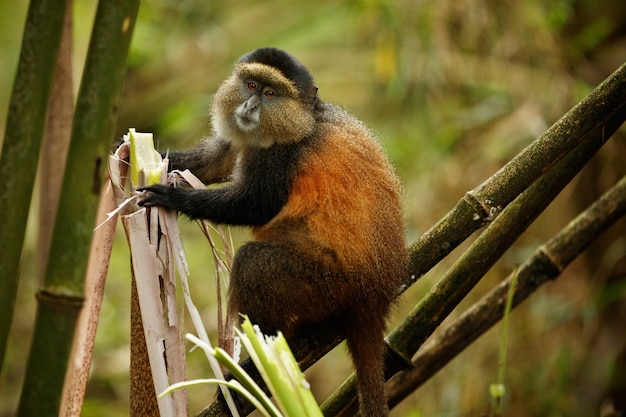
(279, 369)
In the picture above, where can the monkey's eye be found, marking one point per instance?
(269, 93)
(251, 85)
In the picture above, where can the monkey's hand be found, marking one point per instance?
(163, 196)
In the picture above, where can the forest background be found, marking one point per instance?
(454, 89)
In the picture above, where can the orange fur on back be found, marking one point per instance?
(348, 195)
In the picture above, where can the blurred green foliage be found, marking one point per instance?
(454, 88)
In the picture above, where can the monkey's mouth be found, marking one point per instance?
(246, 122)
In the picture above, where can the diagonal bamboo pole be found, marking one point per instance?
(546, 264)
(598, 115)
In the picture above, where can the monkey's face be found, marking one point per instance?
(259, 106)
(247, 115)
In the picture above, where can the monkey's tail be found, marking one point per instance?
(366, 343)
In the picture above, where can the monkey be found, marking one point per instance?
(323, 203)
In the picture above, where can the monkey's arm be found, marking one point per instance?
(226, 205)
(211, 160)
(259, 191)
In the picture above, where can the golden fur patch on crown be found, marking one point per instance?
(269, 76)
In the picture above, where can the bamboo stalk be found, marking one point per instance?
(92, 133)
(598, 115)
(547, 263)
(153, 272)
(56, 141)
(486, 250)
(79, 364)
(22, 140)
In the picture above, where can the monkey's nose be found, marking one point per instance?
(249, 107)
(251, 104)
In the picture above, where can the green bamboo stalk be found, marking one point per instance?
(599, 114)
(92, 133)
(56, 141)
(20, 150)
(546, 263)
(486, 250)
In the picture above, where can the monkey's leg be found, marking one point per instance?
(366, 343)
(281, 287)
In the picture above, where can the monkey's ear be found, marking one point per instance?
(310, 94)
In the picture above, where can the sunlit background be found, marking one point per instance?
(454, 89)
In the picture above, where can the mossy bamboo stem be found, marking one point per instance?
(20, 150)
(92, 134)
(546, 264)
(486, 250)
(599, 114)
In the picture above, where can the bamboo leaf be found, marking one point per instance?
(233, 385)
(275, 362)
